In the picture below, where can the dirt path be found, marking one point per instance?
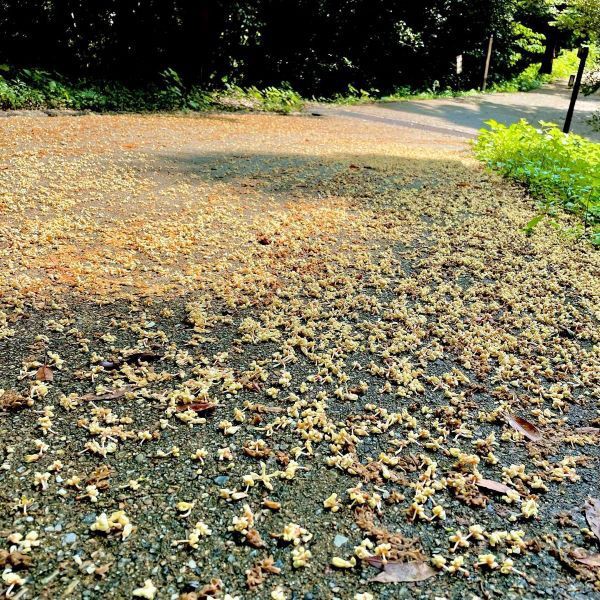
(280, 350)
(463, 117)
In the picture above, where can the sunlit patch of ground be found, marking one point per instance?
(360, 304)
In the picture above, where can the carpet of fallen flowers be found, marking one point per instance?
(253, 356)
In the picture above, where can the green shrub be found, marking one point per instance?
(282, 100)
(560, 170)
(35, 89)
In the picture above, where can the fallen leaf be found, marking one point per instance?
(197, 406)
(593, 560)
(12, 400)
(14, 559)
(494, 486)
(529, 430)
(44, 373)
(395, 572)
(592, 514)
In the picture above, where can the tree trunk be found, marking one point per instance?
(548, 58)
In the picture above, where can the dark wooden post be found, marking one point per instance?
(583, 54)
(488, 59)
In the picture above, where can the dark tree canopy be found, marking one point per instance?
(318, 46)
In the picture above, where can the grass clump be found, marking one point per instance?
(562, 171)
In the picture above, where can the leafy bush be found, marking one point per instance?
(35, 89)
(531, 78)
(272, 99)
(560, 170)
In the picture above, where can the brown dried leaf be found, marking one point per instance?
(529, 430)
(197, 407)
(100, 477)
(15, 559)
(592, 515)
(592, 560)
(494, 486)
(44, 373)
(11, 400)
(256, 453)
(396, 572)
(590, 430)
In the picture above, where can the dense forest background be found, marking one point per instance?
(317, 46)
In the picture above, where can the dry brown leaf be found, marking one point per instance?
(256, 452)
(44, 373)
(529, 430)
(592, 514)
(15, 559)
(593, 560)
(396, 572)
(100, 477)
(494, 486)
(12, 400)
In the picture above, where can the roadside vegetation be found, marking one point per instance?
(560, 170)
(37, 89)
(32, 89)
(529, 79)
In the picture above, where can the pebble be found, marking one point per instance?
(221, 479)
(89, 518)
(140, 458)
(69, 538)
(339, 540)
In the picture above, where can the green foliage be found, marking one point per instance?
(36, 89)
(581, 17)
(562, 171)
(282, 99)
(531, 78)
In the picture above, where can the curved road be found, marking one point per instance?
(463, 117)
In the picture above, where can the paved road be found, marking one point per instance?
(462, 117)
